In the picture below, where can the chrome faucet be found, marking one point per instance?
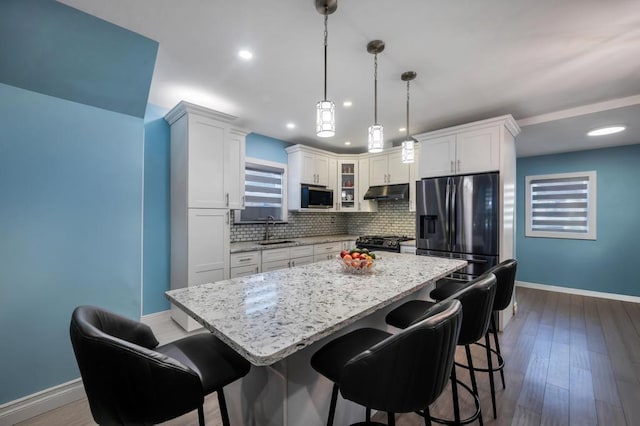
(266, 227)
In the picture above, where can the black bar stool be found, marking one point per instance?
(505, 273)
(396, 373)
(477, 300)
(129, 379)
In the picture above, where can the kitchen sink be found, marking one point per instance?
(270, 242)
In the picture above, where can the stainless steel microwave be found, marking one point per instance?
(315, 197)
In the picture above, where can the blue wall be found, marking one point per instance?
(57, 50)
(70, 229)
(266, 148)
(608, 264)
(157, 238)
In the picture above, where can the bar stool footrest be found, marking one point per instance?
(498, 367)
(468, 420)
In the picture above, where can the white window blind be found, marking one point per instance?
(264, 193)
(561, 205)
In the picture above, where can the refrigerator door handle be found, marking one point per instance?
(452, 226)
(447, 212)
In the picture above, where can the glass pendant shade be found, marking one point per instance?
(376, 138)
(325, 119)
(408, 151)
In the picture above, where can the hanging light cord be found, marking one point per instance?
(375, 89)
(407, 109)
(326, 34)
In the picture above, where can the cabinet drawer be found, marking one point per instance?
(243, 271)
(276, 264)
(332, 248)
(275, 254)
(301, 251)
(245, 259)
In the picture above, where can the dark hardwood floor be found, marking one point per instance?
(570, 360)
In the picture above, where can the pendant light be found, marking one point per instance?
(408, 148)
(376, 137)
(325, 109)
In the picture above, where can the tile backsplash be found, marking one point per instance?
(392, 218)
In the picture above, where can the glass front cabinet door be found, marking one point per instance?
(347, 179)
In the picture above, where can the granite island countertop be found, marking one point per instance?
(245, 246)
(267, 317)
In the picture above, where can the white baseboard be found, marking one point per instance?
(41, 402)
(579, 292)
(156, 315)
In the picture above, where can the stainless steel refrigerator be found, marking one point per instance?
(458, 217)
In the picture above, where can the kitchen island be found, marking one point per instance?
(280, 318)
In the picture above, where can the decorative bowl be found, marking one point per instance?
(357, 266)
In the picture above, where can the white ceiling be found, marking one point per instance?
(474, 60)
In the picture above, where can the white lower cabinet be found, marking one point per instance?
(299, 261)
(301, 255)
(199, 253)
(275, 264)
(326, 251)
(243, 264)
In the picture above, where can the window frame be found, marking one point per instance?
(591, 233)
(257, 162)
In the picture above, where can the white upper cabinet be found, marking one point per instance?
(363, 185)
(348, 185)
(207, 157)
(234, 152)
(313, 167)
(388, 168)
(470, 148)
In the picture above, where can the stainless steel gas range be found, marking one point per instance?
(382, 243)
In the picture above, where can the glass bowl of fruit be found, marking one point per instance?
(357, 261)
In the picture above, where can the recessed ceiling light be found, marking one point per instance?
(347, 104)
(402, 129)
(347, 143)
(245, 54)
(291, 126)
(606, 130)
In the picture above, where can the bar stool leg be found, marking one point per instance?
(332, 407)
(391, 418)
(454, 393)
(494, 329)
(201, 415)
(474, 384)
(427, 417)
(490, 368)
(223, 408)
(367, 415)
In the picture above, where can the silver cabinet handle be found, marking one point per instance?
(289, 264)
(244, 259)
(257, 269)
(458, 165)
(293, 263)
(243, 201)
(359, 208)
(452, 166)
(227, 196)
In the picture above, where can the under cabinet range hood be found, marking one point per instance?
(388, 192)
